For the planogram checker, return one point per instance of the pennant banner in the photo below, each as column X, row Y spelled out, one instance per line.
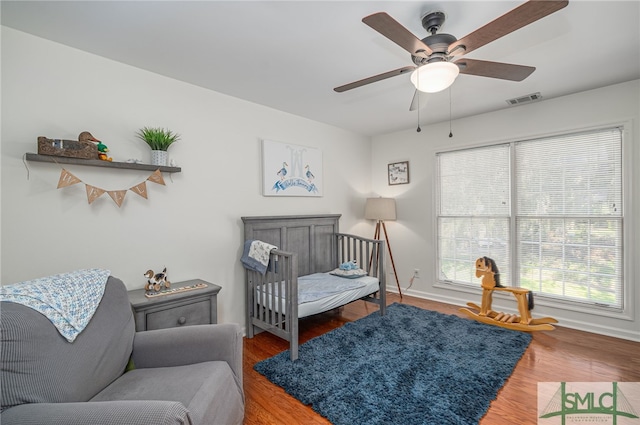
column 67, row 179
column 93, row 192
column 117, row 196
column 140, row 189
column 156, row 177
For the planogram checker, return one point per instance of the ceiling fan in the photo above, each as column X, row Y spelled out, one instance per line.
column 433, row 56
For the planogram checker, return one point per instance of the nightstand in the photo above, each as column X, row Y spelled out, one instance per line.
column 192, row 307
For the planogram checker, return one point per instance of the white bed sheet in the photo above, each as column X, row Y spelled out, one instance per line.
column 371, row 285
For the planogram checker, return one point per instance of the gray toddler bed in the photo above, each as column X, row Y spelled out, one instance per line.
column 307, row 245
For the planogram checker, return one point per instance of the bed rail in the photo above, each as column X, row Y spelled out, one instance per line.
column 370, row 255
column 265, row 308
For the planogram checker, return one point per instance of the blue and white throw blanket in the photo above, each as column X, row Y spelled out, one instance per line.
column 68, row 300
column 255, row 255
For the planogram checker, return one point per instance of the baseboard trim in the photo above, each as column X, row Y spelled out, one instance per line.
column 563, row 319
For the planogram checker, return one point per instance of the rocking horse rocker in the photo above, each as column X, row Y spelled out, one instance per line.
column 487, row 270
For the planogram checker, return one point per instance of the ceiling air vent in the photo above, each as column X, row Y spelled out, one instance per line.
column 524, row 99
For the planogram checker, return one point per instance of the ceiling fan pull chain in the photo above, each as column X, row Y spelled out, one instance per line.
column 450, row 133
column 418, row 130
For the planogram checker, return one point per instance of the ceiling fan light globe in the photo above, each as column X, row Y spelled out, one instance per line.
column 434, row 77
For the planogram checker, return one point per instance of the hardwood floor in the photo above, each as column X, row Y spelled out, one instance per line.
column 560, row 355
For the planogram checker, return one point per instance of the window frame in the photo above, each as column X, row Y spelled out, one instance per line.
column 626, row 312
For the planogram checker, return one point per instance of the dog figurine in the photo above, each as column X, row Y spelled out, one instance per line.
column 156, row 281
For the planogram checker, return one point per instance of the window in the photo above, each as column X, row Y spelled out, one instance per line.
column 548, row 211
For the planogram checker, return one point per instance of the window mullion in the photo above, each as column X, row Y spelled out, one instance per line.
column 513, row 229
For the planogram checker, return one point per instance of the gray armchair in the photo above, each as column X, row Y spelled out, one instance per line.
column 189, row 375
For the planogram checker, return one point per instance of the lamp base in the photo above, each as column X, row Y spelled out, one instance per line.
column 376, row 236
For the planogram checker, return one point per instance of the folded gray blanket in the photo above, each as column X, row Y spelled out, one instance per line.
column 255, row 255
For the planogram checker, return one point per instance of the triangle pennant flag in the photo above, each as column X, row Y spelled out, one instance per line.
column 67, row 179
column 156, row 177
column 93, row 193
column 117, row 196
column 140, row 189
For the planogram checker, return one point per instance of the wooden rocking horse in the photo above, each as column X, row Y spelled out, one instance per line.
column 487, row 270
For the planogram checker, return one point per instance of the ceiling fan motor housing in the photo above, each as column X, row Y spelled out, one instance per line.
column 439, row 44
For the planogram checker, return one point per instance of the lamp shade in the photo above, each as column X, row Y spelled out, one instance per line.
column 434, row 77
column 380, row 209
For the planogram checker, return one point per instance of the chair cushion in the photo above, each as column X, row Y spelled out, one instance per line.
column 208, row 390
column 40, row 366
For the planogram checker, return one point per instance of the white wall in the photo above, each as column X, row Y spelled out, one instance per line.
column 413, row 234
column 192, row 225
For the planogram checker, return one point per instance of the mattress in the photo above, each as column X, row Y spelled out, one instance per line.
column 368, row 285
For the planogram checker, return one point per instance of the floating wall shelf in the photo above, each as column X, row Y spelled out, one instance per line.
column 100, row 163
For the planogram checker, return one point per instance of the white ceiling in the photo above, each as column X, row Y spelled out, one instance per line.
column 289, row 55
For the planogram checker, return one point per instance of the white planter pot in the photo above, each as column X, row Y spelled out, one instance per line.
column 158, row 157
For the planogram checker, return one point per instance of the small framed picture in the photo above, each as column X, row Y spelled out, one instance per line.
column 399, row 173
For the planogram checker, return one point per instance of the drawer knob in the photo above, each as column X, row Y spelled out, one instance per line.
column 182, row 320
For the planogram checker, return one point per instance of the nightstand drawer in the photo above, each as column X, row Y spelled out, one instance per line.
column 183, row 308
column 191, row 314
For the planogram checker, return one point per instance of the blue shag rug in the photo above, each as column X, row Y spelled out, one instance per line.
column 411, row 366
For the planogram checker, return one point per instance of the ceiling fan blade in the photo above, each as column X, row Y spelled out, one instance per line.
column 517, row 18
column 375, row 78
column 419, row 100
column 503, row 71
column 394, row 31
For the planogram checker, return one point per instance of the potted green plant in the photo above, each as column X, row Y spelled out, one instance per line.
column 159, row 140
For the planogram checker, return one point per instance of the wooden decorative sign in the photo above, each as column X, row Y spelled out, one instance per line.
column 175, row 290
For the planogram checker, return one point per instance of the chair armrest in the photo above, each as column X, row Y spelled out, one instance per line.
column 189, row 345
column 138, row 412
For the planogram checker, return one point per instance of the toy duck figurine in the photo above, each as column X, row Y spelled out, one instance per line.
column 102, row 152
column 85, row 136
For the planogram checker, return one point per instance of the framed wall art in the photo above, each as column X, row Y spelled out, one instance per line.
column 291, row 170
column 398, row 172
